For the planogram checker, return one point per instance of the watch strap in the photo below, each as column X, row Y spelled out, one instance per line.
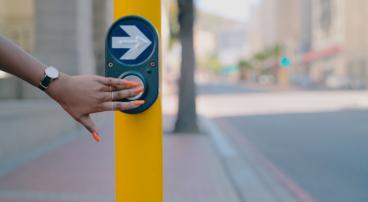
column 45, row 83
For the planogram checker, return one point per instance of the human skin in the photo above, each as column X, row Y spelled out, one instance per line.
column 79, row 96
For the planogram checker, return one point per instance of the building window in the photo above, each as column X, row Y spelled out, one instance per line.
column 224, row 39
column 325, row 18
column 238, row 39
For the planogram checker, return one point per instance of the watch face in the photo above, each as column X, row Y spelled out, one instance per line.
column 52, row 72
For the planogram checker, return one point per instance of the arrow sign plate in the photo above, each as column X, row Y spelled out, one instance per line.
column 132, row 41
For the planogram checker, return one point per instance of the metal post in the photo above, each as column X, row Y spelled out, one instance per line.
column 138, row 137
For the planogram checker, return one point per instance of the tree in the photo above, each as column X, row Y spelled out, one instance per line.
column 186, row 122
column 209, row 61
column 244, row 67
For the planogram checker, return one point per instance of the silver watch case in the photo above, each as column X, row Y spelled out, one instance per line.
column 52, row 72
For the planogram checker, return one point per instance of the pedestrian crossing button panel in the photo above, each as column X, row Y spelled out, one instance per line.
column 133, row 47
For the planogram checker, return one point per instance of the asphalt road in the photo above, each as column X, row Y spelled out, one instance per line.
column 323, row 148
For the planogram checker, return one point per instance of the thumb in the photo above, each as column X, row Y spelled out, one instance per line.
column 87, row 122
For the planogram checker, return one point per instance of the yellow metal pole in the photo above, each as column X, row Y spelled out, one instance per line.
column 138, row 137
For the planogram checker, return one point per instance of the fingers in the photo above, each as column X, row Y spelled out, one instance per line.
column 118, row 95
column 131, row 85
column 87, row 122
column 113, row 81
column 106, row 88
column 119, row 106
column 125, row 85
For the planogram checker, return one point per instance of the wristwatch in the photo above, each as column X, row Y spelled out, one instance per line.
column 51, row 73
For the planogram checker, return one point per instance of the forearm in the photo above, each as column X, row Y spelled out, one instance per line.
column 18, row 62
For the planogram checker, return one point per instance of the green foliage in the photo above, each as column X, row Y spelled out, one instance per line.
column 273, row 51
column 173, row 22
column 210, row 61
column 262, row 56
column 245, row 65
column 259, row 58
column 270, row 52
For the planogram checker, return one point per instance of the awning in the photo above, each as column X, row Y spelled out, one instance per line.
column 314, row 55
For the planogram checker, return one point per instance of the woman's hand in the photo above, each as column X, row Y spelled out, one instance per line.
column 81, row 96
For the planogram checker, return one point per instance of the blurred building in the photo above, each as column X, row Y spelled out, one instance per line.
column 231, row 43
column 339, row 45
column 16, row 24
column 66, row 34
column 224, row 38
column 299, row 73
column 355, row 46
column 272, row 23
column 325, row 59
column 325, row 39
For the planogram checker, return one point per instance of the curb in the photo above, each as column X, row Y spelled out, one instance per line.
column 251, row 178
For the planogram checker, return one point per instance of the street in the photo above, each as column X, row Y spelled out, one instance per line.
column 184, row 101
column 318, row 139
column 283, row 145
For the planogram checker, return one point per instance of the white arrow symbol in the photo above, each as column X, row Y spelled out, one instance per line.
column 137, row 42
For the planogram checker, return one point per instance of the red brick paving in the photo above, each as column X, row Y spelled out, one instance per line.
column 82, row 166
column 185, row 163
column 17, row 200
column 192, row 171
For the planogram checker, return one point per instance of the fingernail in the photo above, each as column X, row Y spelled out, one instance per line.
column 96, row 137
column 135, row 84
column 138, row 90
column 139, row 102
column 127, row 82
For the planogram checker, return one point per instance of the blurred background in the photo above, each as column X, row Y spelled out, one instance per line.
column 266, row 132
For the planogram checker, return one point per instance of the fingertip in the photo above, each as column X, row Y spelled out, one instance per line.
column 138, row 90
column 135, row 84
column 138, row 102
column 95, row 136
column 125, row 82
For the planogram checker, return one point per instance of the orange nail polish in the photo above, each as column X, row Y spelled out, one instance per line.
column 138, row 90
column 96, row 137
column 127, row 82
column 139, row 102
column 135, row 84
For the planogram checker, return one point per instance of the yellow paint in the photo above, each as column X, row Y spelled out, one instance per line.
column 138, row 137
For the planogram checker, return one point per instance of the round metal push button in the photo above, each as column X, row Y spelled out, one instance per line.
column 134, row 78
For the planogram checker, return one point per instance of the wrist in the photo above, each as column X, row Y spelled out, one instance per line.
column 51, row 74
column 55, row 87
column 39, row 76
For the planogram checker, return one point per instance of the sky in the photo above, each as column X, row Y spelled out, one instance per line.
column 238, row 10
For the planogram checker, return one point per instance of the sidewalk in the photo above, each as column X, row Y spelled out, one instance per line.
column 218, row 165
column 82, row 170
